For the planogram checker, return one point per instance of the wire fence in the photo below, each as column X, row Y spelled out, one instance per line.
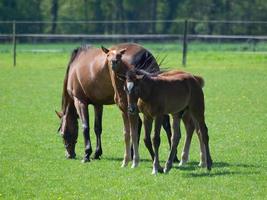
column 182, row 31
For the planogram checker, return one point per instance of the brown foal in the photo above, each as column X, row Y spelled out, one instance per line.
column 175, row 94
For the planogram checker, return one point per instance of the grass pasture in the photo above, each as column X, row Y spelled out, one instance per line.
column 32, row 162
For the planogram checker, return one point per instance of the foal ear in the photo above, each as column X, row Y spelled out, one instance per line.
column 59, row 114
column 139, row 77
column 122, row 51
column 104, row 49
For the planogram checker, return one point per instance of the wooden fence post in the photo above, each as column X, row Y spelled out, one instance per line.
column 14, row 43
column 185, row 43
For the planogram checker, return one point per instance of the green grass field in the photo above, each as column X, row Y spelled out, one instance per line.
column 32, row 161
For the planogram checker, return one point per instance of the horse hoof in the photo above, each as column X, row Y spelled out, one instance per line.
column 68, row 156
column 176, row 160
column 97, row 157
column 85, row 160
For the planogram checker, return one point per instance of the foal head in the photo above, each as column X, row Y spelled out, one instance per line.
column 133, row 90
column 114, row 58
column 69, row 131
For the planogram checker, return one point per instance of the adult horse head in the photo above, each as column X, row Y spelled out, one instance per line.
column 68, row 129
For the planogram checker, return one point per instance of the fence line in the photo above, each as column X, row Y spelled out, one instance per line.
column 136, row 36
column 185, row 36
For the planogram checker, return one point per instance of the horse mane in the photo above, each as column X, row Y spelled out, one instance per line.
column 147, row 62
column 74, row 54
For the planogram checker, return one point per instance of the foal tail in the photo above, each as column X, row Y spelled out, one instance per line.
column 200, row 80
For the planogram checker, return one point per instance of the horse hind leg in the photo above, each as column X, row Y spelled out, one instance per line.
column 167, row 127
column 98, row 130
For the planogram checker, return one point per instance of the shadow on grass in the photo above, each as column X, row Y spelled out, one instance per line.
column 193, row 172
column 120, row 159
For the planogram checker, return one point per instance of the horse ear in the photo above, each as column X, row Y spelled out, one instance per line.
column 122, row 51
column 139, row 77
column 59, row 114
column 104, row 49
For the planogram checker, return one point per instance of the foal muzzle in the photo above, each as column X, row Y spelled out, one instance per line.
column 132, row 109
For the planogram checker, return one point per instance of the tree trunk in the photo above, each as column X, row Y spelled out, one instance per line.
column 154, row 15
column 54, row 12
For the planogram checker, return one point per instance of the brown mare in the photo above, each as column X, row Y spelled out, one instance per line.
column 156, row 95
column 118, row 68
column 87, row 81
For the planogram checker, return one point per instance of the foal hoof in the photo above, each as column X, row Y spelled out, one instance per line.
column 154, row 171
column 124, row 163
column 202, row 164
column 134, row 165
column 182, row 162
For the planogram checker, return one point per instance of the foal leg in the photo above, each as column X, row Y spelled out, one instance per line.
column 84, row 115
column 175, row 140
column 98, row 130
column 203, row 158
column 156, row 143
column 167, row 127
column 127, row 140
column 147, row 140
column 204, row 133
column 190, row 127
column 133, row 119
column 139, row 133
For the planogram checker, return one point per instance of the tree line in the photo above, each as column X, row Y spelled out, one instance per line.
column 119, row 10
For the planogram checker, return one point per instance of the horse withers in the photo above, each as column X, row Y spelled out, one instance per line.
column 175, row 94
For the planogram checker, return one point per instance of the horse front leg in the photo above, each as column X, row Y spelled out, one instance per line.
column 133, row 119
column 175, row 140
column 127, row 140
column 98, row 130
column 84, row 116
